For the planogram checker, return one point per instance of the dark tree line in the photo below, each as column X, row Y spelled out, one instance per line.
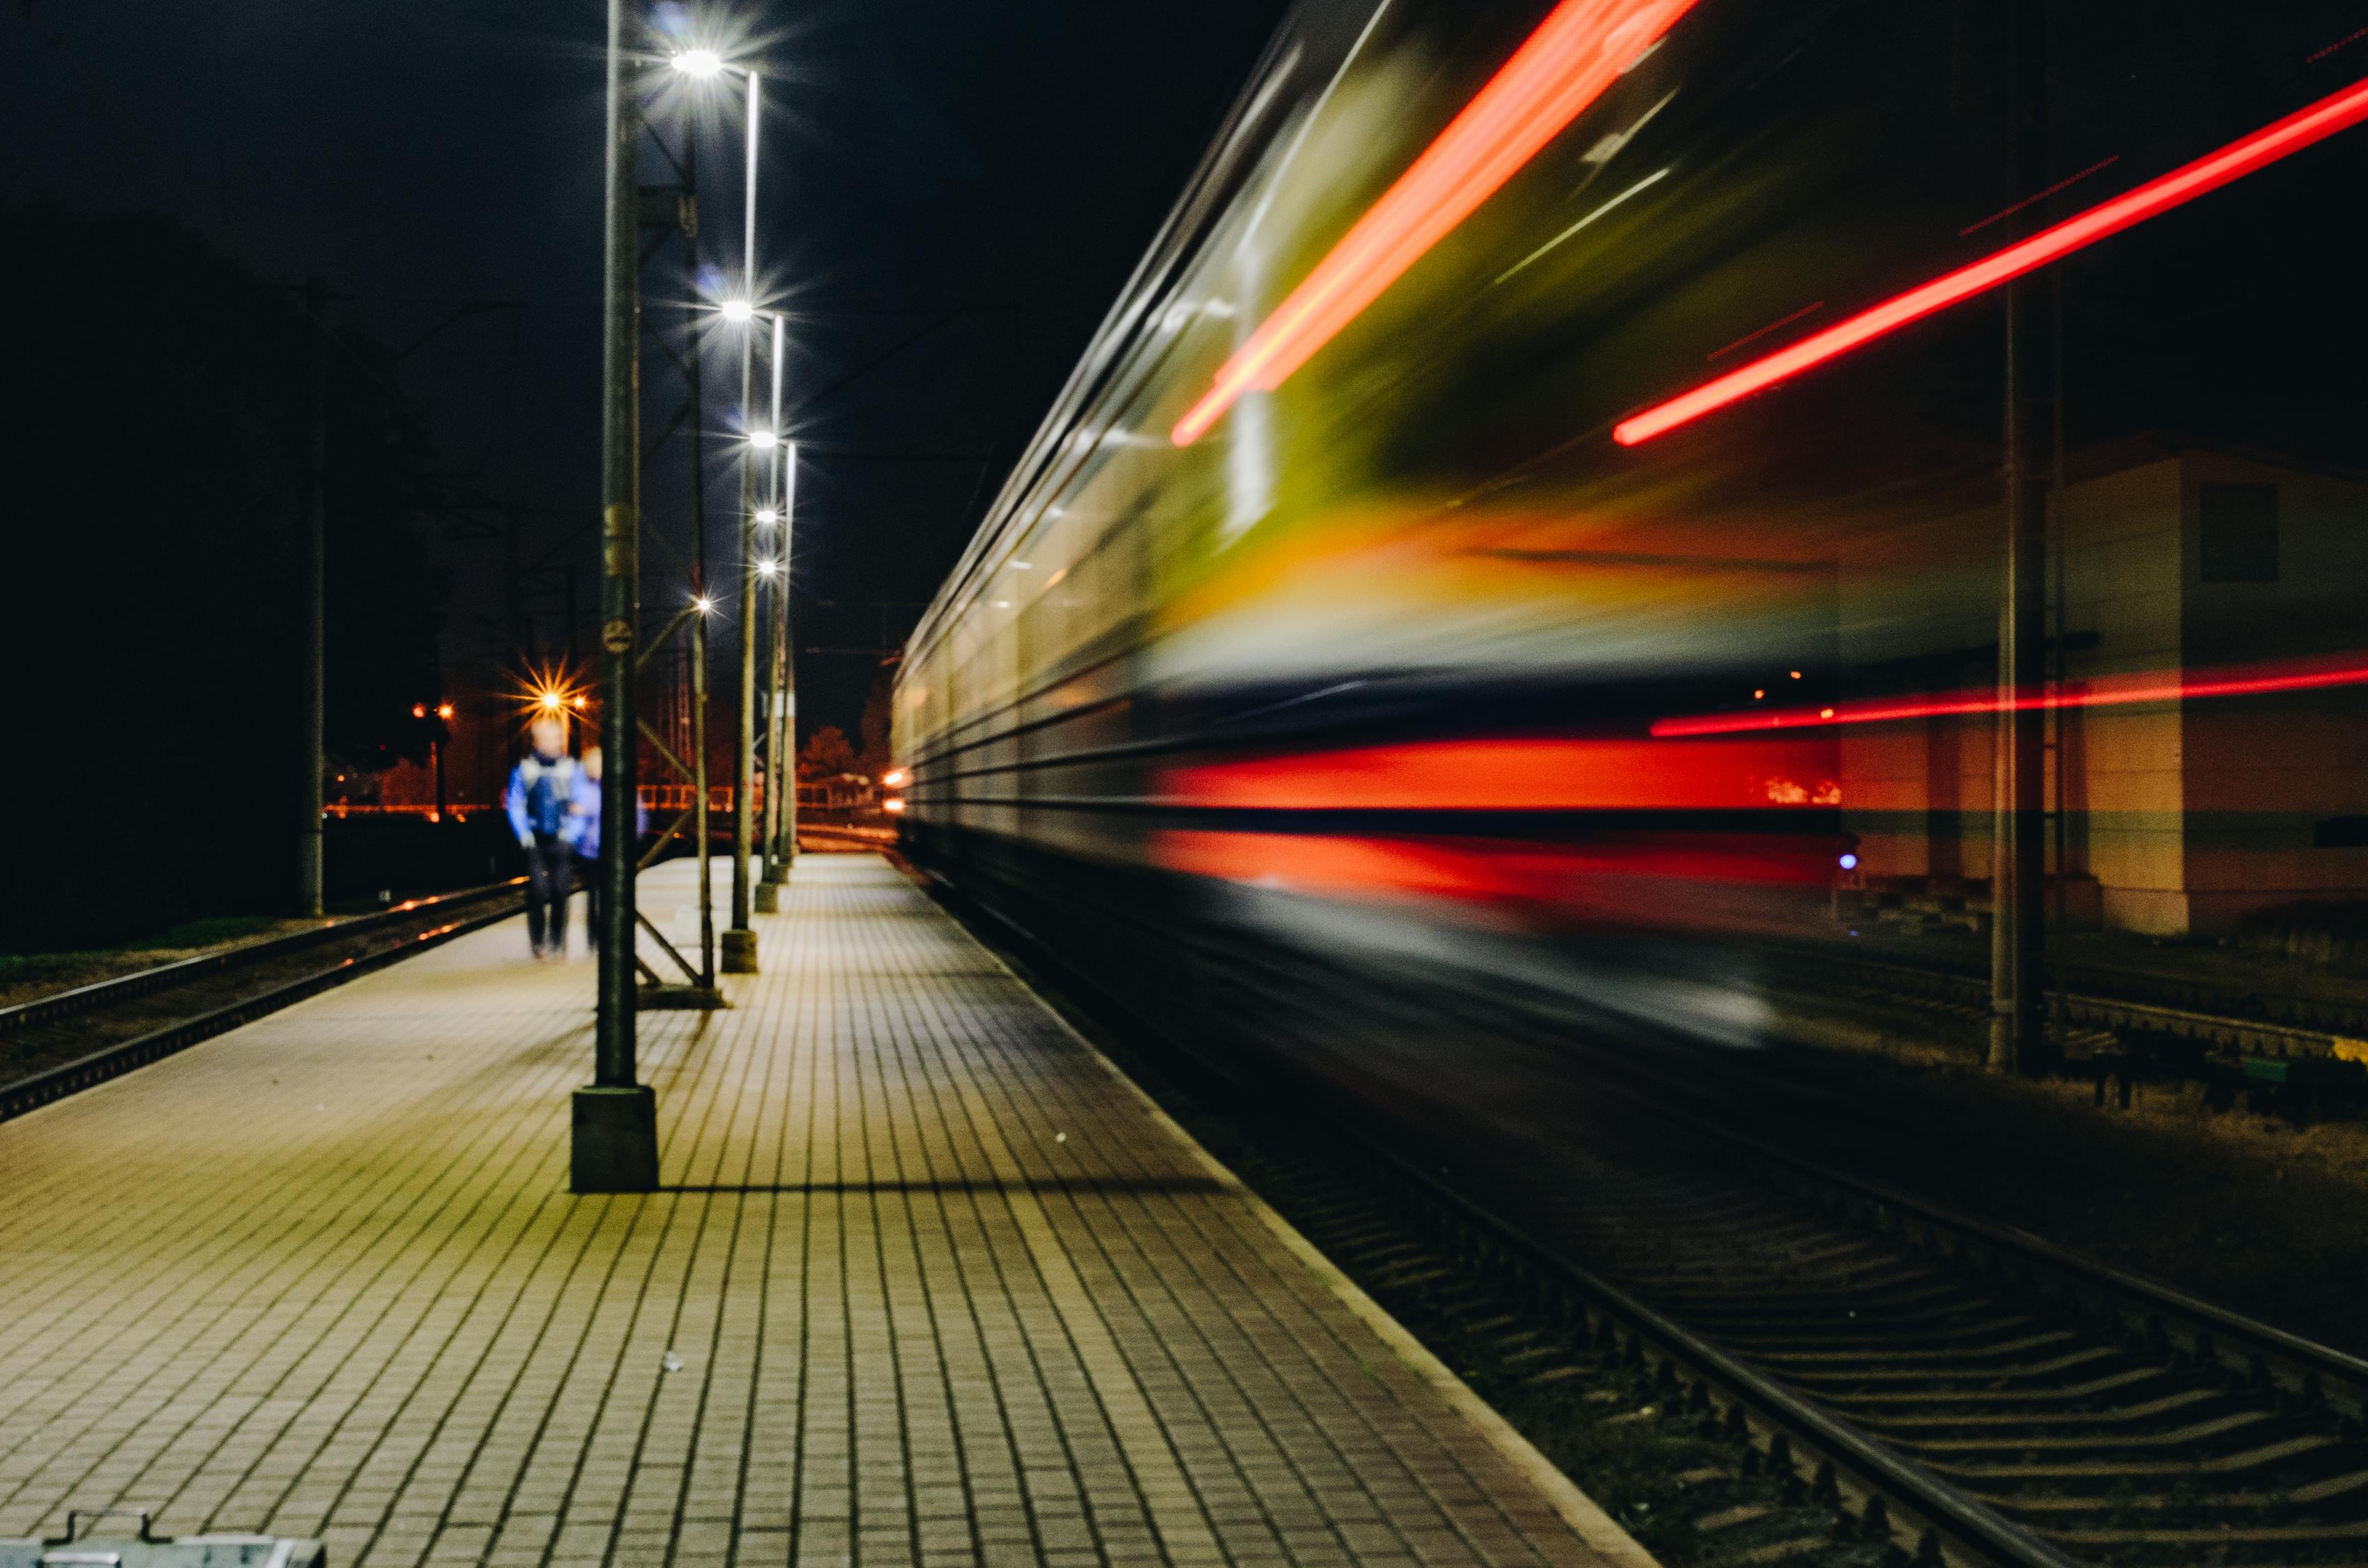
column 156, row 447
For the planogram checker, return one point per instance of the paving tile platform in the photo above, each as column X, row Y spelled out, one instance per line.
column 929, row 1283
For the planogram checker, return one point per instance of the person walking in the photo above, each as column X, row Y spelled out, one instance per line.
column 540, row 802
column 584, row 830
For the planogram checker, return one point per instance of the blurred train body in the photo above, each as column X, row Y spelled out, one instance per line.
column 1394, row 637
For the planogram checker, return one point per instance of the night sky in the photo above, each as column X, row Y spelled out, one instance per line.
column 971, row 181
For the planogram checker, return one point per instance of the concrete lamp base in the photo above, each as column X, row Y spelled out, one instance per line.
column 616, row 1143
column 739, row 952
column 768, row 897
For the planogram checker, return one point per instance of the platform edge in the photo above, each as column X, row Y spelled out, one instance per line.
column 1596, row 1528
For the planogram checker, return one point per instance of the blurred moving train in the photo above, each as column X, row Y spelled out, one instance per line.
column 1547, row 474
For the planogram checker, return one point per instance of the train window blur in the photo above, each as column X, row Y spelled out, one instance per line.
column 1341, row 591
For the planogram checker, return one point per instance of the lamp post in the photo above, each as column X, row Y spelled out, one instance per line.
column 739, row 949
column 615, row 1146
column 785, row 683
column 776, row 546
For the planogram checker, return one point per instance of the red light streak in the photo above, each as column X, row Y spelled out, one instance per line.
column 1548, row 774
column 2314, row 58
column 2107, row 691
column 2065, row 183
column 1575, row 55
column 1757, row 333
column 2305, row 127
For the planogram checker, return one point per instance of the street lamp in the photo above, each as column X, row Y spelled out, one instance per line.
column 739, row 947
column 614, row 1141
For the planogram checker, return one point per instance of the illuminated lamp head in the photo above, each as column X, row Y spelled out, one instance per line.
column 700, row 64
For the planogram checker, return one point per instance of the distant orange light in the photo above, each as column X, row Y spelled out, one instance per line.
column 551, row 702
column 419, row 710
column 576, row 702
column 1575, row 55
column 443, row 710
column 893, row 779
column 892, row 805
column 2305, row 127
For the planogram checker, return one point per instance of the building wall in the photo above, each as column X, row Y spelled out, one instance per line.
column 2188, row 814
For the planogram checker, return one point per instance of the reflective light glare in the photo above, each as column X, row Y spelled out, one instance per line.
column 892, row 806
column 2338, row 111
column 767, row 568
column 738, row 310
column 893, row 779
column 1576, row 53
column 766, row 517
column 763, row 440
column 2105, row 691
column 698, row 62
column 1654, row 178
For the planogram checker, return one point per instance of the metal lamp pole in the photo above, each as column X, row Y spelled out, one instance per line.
column 785, row 683
column 740, row 941
column 615, row 1143
column 769, row 892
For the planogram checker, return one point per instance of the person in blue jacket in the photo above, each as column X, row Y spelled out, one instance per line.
column 540, row 802
column 584, row 827
column 586, row 839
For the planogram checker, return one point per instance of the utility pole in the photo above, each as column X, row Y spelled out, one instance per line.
column 615, row 1146
column 312, row 556
column 740, row 940
column 2019, row 836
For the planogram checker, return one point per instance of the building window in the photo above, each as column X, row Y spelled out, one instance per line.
column 2240, row 533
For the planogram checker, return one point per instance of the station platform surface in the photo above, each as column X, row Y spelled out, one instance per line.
column 928, row 1282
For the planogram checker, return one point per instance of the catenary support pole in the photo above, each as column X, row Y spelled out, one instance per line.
column 615, row 1146
column 2019, row 840
column 740, row 941
column 314, row 576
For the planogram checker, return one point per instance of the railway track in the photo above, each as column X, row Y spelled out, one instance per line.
column 57, row 1045
column 2126, row 1003
column 1930, row 1385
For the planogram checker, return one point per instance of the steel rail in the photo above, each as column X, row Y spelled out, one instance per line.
column 113, row 1060
column 2143, row 1308
column 124, row 987
column 1889, row 1493
column 2112, row 1015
